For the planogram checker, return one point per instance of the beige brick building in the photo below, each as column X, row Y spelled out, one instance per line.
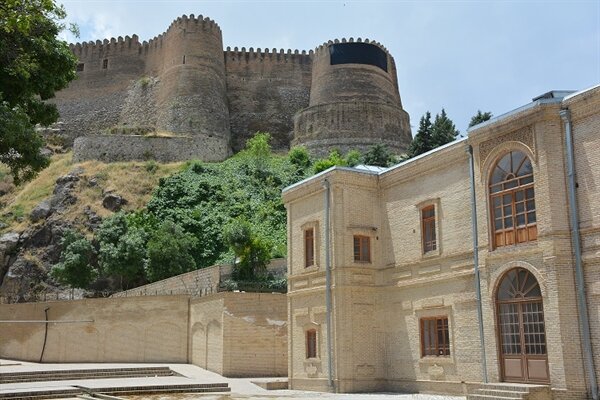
column 404, row 309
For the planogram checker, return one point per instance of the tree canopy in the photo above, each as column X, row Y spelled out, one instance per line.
column 480, row 117
column 34, row 64
column 431, row 135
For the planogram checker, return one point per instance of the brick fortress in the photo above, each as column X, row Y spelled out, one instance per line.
column 181, row 84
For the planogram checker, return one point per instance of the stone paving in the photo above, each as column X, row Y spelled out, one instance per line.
column 241, row 388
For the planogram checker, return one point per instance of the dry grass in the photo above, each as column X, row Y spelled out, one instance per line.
column 134, row 181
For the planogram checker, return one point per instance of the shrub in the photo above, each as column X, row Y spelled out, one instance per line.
column 75, row 265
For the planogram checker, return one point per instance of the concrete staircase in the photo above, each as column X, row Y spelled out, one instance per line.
column 509, row 391
column 78, row 374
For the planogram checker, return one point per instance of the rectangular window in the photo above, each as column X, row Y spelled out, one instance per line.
column 435, row 337
column 309, row 247
column 362, row 248
column 428, row 229
column 105, row 63
column 80, row 67
column 311, row 343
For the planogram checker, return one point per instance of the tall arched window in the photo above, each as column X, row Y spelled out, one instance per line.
column 512, row 200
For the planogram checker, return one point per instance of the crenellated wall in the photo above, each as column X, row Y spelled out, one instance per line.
column 182, row 81
column 265, row 89
column 353, row 105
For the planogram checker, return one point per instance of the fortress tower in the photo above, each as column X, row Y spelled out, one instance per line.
column 354, row 100
column 179, row 96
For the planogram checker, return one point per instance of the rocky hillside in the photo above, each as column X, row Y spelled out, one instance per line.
column 33, row 217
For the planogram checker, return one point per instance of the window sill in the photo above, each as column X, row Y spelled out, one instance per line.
column 436, row 360
column 430, row 254
column 312, row 268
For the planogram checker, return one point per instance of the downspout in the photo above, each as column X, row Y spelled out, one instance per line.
column 327, row 187
column 584, row 322
column 45, row 334
column 476, row 263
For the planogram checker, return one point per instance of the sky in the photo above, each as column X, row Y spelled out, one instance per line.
column 463, row 56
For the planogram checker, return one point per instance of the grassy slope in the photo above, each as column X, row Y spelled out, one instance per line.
column 132, row 180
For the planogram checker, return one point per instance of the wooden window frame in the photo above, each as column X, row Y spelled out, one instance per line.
column 439, row 349
column 429, row 247
column 513, row 188
column 309, row 247
column 311, row 342
column 359, row 255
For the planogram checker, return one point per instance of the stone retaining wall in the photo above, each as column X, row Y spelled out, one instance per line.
column 113, row 148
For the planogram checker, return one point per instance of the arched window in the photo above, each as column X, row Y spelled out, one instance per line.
column 512, row 200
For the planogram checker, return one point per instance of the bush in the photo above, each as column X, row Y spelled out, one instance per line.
column 75, row 265
column 170, row 252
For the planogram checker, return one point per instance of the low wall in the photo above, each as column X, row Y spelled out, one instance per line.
column 234, row 334
column 197, row 283
column 113, row 148
column 240, row 334
column 136, row 329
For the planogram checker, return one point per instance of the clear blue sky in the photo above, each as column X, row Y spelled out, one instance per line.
column 460, row 55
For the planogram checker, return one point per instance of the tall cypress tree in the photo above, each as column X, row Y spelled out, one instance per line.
column 480, row 117
column 423, row 140
column 443, row 130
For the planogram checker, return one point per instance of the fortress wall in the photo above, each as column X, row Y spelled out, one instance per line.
column 93, row 101
column 136, row 329
column 265, row 88
column 113, row 148
column 351, row 82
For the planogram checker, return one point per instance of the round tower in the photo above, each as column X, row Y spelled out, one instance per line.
column 354, row 100
column 192, row 96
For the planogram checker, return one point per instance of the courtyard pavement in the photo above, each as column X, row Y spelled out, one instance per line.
column 241, row 388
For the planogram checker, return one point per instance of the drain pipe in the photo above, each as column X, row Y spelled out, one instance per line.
column 327, row 187
column 584, row 322
column 45, row 334
column 476, row 262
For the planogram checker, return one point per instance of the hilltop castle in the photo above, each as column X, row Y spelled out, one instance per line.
column 343, row 95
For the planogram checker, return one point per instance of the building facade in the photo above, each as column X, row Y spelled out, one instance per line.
column 403, row 301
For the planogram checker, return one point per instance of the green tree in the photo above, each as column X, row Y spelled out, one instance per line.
column 170, row 251
column 353, row 158
column 252, row 251
column 122, row 250
column 480, row 117
column 334, row 158
column 379, row 154
column 34, row 64
column 258, row 148
column 76, row 259
column 443, row 130
column 299, row 157
column 423, row 141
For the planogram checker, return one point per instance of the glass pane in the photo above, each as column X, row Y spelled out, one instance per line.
column 517, row 158
column 526, row 180
column 520, row 207
column 504, row 163
column 508, row 223
column 507, row 210
column 511, row 184
column 520, row 195
column 507, row 199
column 496, row 201
column 526, row 169
column 497, row 212
column 530, row 205
column 529, row 193
column 520, row 219
column 498, row 224
column 531, row 217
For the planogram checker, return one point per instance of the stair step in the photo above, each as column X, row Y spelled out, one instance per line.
column 489, row 397
column 501, row 393
column 42, row 394
column 42, row 376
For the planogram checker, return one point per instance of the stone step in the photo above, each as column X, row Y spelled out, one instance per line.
column 157, row 389
column 44, row 376
column 41, row 394
column 501, row 393
column 490, row 397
